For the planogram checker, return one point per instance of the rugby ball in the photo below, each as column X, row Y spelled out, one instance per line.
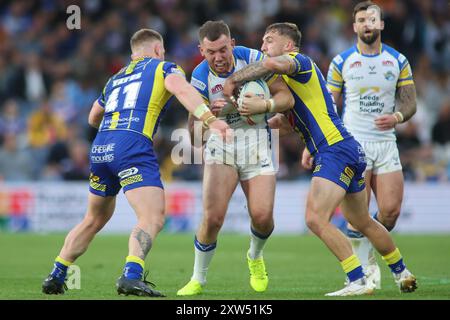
column 259, row 88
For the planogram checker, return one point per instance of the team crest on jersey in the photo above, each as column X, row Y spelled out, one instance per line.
column 389, row 76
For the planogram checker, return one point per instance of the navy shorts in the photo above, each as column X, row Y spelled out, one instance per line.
column 343, row 163
column 122, row 159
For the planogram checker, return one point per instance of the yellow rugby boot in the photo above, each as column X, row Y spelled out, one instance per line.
column 192, row 288
column 258, row 275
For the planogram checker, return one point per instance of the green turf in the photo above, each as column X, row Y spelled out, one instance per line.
column 300, row 267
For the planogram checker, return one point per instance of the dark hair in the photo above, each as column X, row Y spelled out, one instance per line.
column 144, row 35
column 212, row 30
column 287, row 29
column 362, row 6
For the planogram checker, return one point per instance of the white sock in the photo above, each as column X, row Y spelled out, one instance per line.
column 256, row 246
column 201, row 264
column 363, row 248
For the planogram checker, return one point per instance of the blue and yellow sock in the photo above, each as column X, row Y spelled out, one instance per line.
column 134, row 268
column 395, row 261
column 59, row 271
column 352, row 267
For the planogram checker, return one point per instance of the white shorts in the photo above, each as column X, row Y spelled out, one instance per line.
column 250, row 157
column 382, row 156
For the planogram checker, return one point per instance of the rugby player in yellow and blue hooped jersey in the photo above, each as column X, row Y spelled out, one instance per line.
column 127, row 115
column 337, row 157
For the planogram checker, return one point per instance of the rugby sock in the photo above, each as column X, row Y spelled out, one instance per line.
column 257, row 242
column 395, row 261
column 203, row 257
column 134, row 268
column 352, row 267
column 59, row 271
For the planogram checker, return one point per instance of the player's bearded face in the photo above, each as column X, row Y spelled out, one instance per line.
column 368, row 26
column 218, row 53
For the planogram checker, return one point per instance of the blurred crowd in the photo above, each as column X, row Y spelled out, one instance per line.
column 50, row 75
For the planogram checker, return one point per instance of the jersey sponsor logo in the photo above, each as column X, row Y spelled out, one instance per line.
column 102, row 159
column 120, row 121
column 356, row 78
column 198, row 84
column 338, row 59
column 176, row 70
column 217, row 88
column 253, row 55
column 231, row 118
column 127, row 79
column 356, row 64
column 390, row 76
column 317, row 168
column 370, row 101
column 372, row 70
column 265, row 163
column 401, row 58
column 102, row 148
column 388, row 63
column 127, row 172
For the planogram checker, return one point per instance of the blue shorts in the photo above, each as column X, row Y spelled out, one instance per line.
column 122, row 159
column 343, row 163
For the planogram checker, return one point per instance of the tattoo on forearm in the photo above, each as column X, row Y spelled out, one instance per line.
column 252, row 71
column 286, row 60
column 144, row 239
column 406, row 96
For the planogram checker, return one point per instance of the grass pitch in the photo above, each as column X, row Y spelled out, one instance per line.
column 299, row 267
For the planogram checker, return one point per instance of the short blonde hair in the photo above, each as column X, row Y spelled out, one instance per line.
column 144, row 35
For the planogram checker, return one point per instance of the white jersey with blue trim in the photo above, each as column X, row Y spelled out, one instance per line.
column 368, row 84
column 210, row 84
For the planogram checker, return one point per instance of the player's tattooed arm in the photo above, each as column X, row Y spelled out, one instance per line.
column 280, row 65
column 144, row 240
column 406, row 101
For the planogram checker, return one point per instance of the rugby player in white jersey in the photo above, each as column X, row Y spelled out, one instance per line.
column 227, row 165
column 378, row 93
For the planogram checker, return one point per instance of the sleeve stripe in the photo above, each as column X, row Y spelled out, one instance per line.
column 404, row 66
column 405, row 79
column 404, row 83
column 336, row 68
column 335, row 85
column 204, row 98
column 334, row 89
